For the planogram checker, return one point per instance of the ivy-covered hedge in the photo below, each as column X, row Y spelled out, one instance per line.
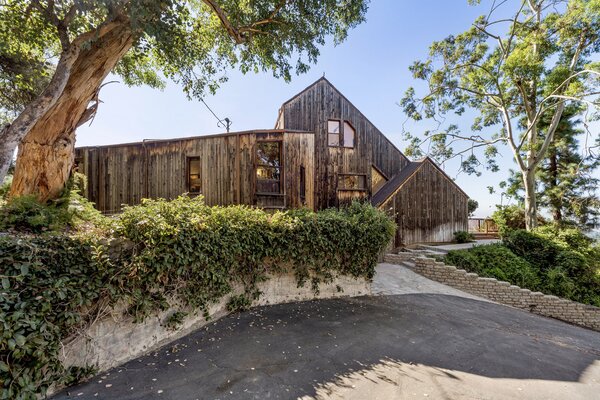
column 54, row 285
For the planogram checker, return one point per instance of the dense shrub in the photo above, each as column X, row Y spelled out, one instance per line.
column 69, row 211
column 564, row 263
column 52, row 286
column 511, row 217
column 463, row 237
column 496, row 261
column 5, row 187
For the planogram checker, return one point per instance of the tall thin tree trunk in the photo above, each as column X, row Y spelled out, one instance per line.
column 555, row 201
column 45, row 155
column 530, row 200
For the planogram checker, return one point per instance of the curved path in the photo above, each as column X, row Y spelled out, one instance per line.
column 422, row 344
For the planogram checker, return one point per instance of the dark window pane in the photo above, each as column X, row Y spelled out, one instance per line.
column 194, row 176
column 268, row 153
column 267, row 186
column 302, row 183
column 349, row 135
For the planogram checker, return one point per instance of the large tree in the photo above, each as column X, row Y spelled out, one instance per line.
column 565, row 183
column 190, row 42
column 522, row 60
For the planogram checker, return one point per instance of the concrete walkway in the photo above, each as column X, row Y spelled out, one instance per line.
column 444, row 248
column 428, row 342
column 398, row 279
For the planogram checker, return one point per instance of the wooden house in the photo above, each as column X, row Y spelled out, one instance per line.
column 322, row 153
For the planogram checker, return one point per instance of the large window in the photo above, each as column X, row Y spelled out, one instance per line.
column 194, row 180
column 340, row 134
column 352, row 182
column 268, row 167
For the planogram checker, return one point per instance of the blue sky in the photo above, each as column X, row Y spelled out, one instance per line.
column 370, row 68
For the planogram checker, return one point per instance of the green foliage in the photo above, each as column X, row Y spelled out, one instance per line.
column 5, row 187
column 569, row 260
column 515, row 65
column 175, row 320
column 496, row 261
column 512, row 217
column 184, row 41
column 565, row 182
column 463, row 237
column 164, row 252
column 472, row 206
column 70, row 211
column 51, row 287
column 564, row 263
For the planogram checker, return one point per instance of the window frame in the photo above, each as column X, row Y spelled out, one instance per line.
column 343, row 135
column 280, row 168
column 340, row 142
column 363, row 189
column 188, row 160
column 386, row 179
column 302, row 184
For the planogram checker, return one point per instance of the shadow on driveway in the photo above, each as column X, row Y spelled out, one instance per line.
column 299, row 350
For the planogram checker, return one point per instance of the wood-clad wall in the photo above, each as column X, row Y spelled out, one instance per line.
column 310, row 111
column 428, row 207
column 125, row 174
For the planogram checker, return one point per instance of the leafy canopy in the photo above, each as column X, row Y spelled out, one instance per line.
column 511, row 67
column 189, row 42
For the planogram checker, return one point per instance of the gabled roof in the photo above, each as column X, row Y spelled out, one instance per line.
column 323, row 79
column 394, row 184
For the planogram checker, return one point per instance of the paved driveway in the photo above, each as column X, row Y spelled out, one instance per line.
column 422, row 344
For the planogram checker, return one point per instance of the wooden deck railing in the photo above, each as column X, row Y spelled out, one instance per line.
column 482, row 225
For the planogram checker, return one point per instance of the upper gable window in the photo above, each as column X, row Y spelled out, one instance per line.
column 340, row 134
column 333, row 133
column 349, row 135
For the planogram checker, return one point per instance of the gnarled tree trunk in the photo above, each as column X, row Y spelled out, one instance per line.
column 45, row 156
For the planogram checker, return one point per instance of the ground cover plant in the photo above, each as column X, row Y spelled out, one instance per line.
column 551, row 259
column 56, row 282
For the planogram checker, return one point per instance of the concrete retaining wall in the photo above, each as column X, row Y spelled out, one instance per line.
column 116, row 339
column 503, row 292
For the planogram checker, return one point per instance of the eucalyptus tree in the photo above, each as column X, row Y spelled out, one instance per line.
column 520, row 61
column 191, row 42
column 566, row 184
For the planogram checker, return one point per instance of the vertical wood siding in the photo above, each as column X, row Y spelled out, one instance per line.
column 428, row 207
column 310, row 111
column 125, row 174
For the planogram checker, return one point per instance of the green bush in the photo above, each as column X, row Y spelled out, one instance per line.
column 5, row 187
column 512, row 217
column 536, row 249
column 53, row 285
column 496, row 261
column 70, row 211
column 463, row 237
column 564, row 262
